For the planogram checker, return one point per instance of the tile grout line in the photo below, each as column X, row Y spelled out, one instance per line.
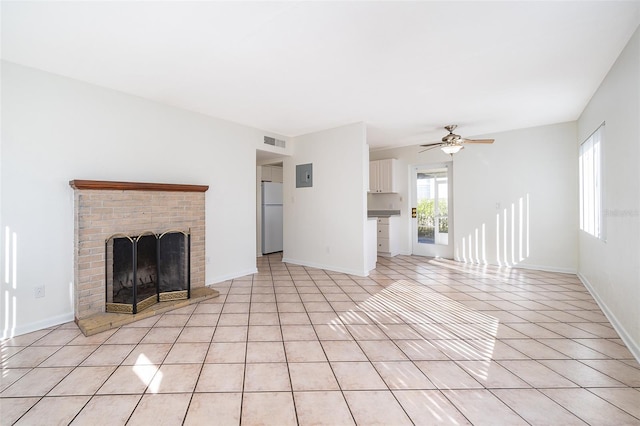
column 461, row 282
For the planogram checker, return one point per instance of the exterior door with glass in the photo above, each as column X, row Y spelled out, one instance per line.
column 432, row 231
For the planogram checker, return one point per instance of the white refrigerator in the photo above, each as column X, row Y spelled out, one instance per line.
column 271, row 217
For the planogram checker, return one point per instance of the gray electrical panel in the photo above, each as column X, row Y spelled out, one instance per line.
column 304, row 175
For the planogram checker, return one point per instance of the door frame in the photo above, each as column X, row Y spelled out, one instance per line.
column 431, row 250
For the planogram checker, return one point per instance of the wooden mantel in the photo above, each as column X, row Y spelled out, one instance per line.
column 135, row 186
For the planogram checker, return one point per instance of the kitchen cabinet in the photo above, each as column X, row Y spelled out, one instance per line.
column 381, row 176
column 388, row 241
column 371, row 252
column 276, row 174
column 271, row 174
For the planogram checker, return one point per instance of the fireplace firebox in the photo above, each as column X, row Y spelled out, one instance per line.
column 145, row 269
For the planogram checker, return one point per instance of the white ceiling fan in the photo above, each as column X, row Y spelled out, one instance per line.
column 453, row 143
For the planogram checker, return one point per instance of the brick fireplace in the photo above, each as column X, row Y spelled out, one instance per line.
column 105, row 208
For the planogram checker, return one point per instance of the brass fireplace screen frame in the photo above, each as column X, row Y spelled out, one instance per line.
column 159, row 296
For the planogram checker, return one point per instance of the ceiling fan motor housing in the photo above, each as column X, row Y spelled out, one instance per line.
column 451, row 138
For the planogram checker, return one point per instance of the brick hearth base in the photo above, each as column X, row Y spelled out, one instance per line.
column 104, row 321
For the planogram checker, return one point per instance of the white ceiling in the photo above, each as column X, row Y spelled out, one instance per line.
column 404, row 68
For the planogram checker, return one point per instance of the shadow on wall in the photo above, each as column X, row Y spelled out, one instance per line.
column 512, row 243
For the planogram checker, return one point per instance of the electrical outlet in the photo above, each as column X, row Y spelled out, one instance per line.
column 39, row 291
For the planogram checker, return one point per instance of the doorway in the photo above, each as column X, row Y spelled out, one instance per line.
column 269, row 209
column 432, row 199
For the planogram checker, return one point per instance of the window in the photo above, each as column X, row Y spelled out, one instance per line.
column 590, row 170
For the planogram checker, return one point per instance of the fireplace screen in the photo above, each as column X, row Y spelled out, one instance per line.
column 146, row 269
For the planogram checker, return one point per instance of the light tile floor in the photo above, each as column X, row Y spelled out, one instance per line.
column 419, row 341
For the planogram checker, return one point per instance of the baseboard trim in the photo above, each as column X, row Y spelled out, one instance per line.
column 38, row 325
column 546, row 268
column 326, row 267
column 634, row 347
column 222, row 278
column 543, row 268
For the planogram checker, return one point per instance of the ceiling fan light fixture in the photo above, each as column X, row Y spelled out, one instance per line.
column 451, row 149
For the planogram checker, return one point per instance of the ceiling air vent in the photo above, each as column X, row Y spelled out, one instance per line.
column 274, row 142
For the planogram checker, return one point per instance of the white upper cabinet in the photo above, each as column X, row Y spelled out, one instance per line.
column 381, row 176
column 276, row 174
column 374, row 171
column 271, row 174
column 266, row 174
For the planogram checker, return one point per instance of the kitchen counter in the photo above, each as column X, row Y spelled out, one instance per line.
column 383, row 213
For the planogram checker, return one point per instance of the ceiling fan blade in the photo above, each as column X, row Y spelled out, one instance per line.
column 434, row 144
column 478, row 140
column 430, row 147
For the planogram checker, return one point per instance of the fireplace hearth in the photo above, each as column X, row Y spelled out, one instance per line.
column 145, row 269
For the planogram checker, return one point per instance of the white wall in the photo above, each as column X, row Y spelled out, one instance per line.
column 56, row 129
column 538, row 164
column 528, row 179
column 324, row 226
column 611, row 268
